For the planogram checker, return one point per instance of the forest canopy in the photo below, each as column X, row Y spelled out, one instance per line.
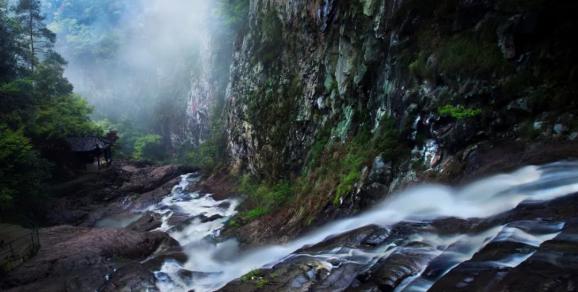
column 37, row 105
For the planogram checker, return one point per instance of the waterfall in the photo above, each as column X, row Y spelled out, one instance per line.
column 214, row 263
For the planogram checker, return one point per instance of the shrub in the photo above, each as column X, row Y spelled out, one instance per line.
column 148, row 147
column 252, row 275
column 254, row 213
column 464, row 55
column 458, row 112
column 22, row 171
column 346, row 184
column 64, row 116
column 265, row 196
column 419, row 67
column 205, row 156
column 332, row 168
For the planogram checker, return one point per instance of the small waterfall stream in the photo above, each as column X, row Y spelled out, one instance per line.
column 213, row 263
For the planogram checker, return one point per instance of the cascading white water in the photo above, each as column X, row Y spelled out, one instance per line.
column 214, row 263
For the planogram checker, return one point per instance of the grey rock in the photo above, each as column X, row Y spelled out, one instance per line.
column 520, row 104
column 147, row 222
column 380, row 170
column 560, row 129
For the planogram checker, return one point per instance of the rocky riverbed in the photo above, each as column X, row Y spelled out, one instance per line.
column 157, row 230
column 99, row 236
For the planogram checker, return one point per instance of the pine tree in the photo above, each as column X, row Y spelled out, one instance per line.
column 38, row 39
column 10, row 52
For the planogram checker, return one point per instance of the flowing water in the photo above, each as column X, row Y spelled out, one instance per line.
column 212, row 263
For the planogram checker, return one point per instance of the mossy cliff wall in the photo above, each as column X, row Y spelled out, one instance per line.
column 379, row 93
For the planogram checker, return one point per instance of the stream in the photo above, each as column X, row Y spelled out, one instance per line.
column 213, row 263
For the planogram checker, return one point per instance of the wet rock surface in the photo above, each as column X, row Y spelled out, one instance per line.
column 82, row 258
column 111, row 192
column 113, row 246
column 536, row 249
column 131, row 277
column 147, row 222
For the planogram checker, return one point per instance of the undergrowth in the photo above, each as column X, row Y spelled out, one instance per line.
column 332, row 170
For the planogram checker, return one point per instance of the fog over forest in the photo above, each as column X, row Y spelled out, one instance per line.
column 137, row 62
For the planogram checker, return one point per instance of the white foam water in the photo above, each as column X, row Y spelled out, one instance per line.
column 214, row 264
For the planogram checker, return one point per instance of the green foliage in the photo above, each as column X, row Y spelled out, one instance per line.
column 49, row 77
column 11, row 50
column 330, row 83
column 331, row 168
column 337, row 167
column 18, row 87
column 268, row 109
column 348, row 181
column 464, row 55
column 419, row 67
column 257, row 277
column 211, row 153
column 17, row 102
column 252, row 275
column 37, row 39
column 266, row 197
column 87, row 26
column 262, row 282
column 128, row 134
column 93, row 35
column 386, row 141
column 21, row 169
column 458, row 112
column 37, row 107
column 62, row 117
column 349, row 168
column 148, row 147
column 254, row 213
column 316, row 151
column 271, row 45
column 205, row 156
column 234, row 12
column 233, row 223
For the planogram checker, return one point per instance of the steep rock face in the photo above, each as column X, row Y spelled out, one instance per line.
column 450, row 77
column 305, row 64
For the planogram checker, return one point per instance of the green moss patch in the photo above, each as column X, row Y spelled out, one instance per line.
column 458, row 112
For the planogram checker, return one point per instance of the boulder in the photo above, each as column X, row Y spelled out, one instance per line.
column 147, row 222
column 129, row 278
column 150, row 178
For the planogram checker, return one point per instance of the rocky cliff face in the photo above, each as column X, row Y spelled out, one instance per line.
column 420, row 86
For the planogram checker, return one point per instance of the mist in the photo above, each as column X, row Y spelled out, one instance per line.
column 142, row 64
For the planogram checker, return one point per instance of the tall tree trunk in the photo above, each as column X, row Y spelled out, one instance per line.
column 31, row 31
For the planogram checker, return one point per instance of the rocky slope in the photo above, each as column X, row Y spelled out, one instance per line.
column 362, row 97
column 98, row 233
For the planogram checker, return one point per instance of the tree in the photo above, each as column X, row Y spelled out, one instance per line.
column 49, row 77
column 10, row 51
column 148, row 147
column 37, row 107
column 38, row 40
column 21, row 169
